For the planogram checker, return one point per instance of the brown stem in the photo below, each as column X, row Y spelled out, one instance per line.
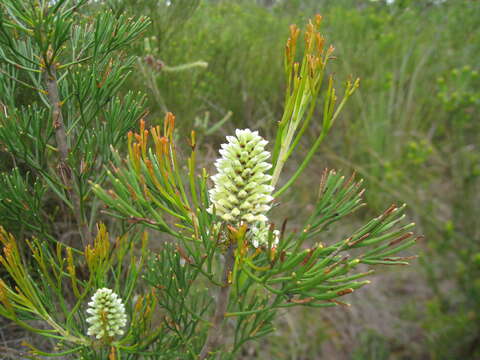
column 61, row 139
column 57, row 116
column 215, row 334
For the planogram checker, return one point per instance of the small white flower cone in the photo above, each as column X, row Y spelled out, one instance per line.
column 242, row 193
column 107, row 312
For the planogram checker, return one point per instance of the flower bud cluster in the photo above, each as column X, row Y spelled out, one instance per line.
column 108, row 314
column 242, row 193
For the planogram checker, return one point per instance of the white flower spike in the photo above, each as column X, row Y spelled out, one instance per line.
column 242, row 193
column 108, row 314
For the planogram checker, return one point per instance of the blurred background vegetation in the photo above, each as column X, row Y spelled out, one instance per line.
column 412, row 131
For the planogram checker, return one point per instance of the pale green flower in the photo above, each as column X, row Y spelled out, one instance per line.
column 242, row 193
column 108, row 314
column 259, row 233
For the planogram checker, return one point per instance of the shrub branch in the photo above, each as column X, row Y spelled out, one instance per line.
column 215, row 336
column 61, row 139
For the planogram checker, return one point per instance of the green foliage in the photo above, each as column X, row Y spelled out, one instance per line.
column 209, row 273
column 61, row 135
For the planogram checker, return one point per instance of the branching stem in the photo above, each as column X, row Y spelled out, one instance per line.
column 215, row 336
column 62, row 144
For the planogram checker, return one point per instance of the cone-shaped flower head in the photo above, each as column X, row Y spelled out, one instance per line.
column 107, row 314
column 242, row 192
